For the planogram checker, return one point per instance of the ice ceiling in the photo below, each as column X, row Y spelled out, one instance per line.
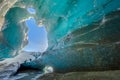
column 81, row 34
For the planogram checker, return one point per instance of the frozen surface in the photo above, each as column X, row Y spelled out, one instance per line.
column 82, row 35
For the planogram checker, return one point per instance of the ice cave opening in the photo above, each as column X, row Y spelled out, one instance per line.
column 37, row 35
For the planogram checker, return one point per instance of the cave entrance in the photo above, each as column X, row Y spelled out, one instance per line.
column 37, row 35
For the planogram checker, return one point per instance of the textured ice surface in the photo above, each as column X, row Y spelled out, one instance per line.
column 82, row 35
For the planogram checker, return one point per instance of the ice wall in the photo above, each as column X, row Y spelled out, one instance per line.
column 81, row 34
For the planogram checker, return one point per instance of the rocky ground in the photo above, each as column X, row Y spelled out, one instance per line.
column 99, row 75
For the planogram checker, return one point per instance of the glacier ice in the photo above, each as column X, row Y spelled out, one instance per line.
column 81, row 35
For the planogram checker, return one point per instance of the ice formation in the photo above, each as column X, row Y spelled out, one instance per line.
column 82, row 35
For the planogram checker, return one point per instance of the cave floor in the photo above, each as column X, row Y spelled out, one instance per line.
column 96, row 75
column 99, row 75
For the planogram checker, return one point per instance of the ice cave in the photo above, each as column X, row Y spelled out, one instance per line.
column 83, row 39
